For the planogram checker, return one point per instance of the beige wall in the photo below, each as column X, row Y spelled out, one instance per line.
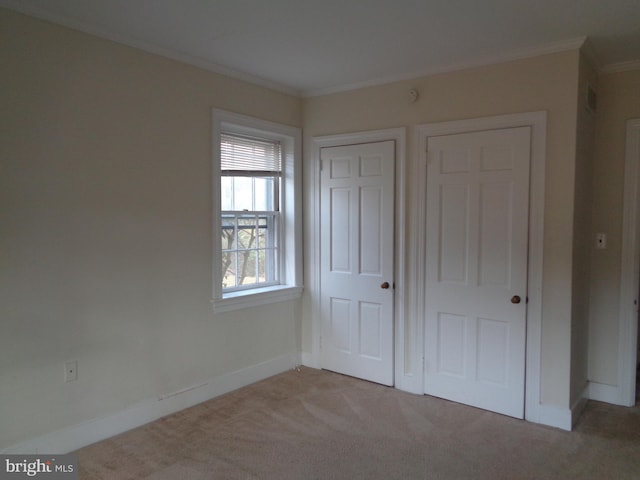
column 105, row 221
column 542, row 83
column 583, row 239
column 618, row 101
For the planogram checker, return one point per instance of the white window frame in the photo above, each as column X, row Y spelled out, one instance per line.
column 290, row 248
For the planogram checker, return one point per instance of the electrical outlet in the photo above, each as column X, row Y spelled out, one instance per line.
column 70, row 371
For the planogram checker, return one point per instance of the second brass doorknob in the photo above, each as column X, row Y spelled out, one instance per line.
column 385, row 285
column 515, row 299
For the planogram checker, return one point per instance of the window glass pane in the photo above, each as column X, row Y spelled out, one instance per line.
column 264, row 193
column 260, row 193
column 248, row 193
column 228, row 269
column 273, row 269
column 262, row 276
column 228, row 232
column 226, row 193
column 247, row 267
column 249, row 249
column 271, row 237
column 242, row 193
column 262, row 232
column 247, row 233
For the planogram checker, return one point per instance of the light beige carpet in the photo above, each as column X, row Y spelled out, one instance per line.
column 311, row 424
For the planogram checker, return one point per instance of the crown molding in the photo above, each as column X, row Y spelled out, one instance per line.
column 41, row 14
column 621, row 67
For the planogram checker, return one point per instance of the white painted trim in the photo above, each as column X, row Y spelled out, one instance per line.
column 579, row 405
column 256, row 298
column 630, row 269
column 291, row 209
column 603, row 393
column 148, row 47
column 77, row 436
column 399, row 136
column 563, row 418
column 537, row 121
column 415, row 357
column 556, row 47
column 621, row 67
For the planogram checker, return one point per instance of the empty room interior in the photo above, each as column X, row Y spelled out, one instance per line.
column 438, row 201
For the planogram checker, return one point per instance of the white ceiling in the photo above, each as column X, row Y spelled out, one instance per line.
column 310, row 47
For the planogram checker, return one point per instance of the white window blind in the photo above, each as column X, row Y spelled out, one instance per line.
column 249, row 156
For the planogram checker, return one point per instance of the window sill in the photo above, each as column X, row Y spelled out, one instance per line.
column 255, row 298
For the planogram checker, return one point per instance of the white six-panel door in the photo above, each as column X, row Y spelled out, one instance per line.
column 357, row 232
column 476, row 268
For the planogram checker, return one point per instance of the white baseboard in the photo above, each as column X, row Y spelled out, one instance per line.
column 563, row 418
column 604, row 393
column 554, row 416
column 559, row 417
column 77, row 436
column 578, row 406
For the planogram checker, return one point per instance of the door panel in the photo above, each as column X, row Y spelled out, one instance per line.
column 371, row 230
column 356, row 250
column 476, row 254
column 454, row 206
column 339, row 222
column 495, row 228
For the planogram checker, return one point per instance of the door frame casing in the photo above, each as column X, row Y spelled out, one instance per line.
column 630, row 270
column 313, row 280
column 534, row 410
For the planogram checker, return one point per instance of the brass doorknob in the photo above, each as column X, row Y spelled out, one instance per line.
column 515, row 299
column 385, row 285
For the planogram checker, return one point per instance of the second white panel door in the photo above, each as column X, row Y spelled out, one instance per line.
column 476, row 264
